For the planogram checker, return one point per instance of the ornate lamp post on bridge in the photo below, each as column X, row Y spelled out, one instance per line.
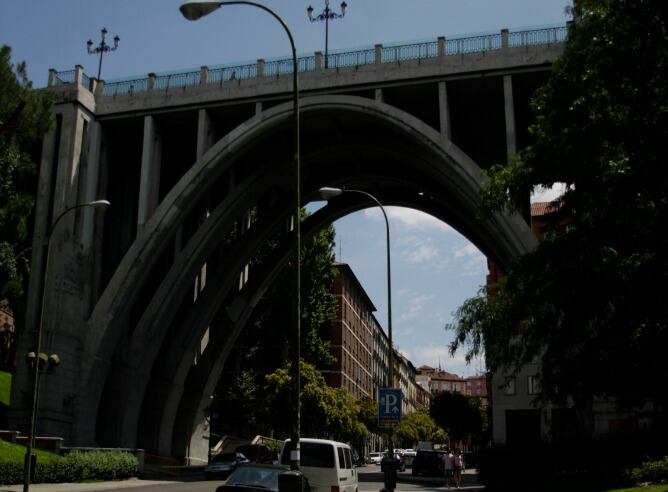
column 328, row 193
column 36, row 358
column 193, row 10
column 102, row 48
column 326, row 15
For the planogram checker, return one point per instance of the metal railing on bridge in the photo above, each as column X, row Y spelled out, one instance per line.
column 458, row 45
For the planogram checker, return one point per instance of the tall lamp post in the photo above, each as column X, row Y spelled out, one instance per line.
column 326, row 15
column 38, row 357
column 193, row 10
column 102, row 48
column 328, row 193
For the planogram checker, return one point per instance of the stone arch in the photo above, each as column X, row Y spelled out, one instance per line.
column 448, row 187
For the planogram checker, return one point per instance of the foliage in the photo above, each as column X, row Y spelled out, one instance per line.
column 73, row 467
column 460, row 415
column 419, row 426
column 268, row 335
column 24, row 118
column 325, row 411
column 5, row 387
column 650, row 471
column 589, row 302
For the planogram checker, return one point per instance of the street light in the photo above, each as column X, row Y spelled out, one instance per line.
column 327, row 193
column 53, row 359
column 193, row 10
column 102, row 48
column 326, row 15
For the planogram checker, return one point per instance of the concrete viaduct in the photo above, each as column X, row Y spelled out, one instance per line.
column 145, row 300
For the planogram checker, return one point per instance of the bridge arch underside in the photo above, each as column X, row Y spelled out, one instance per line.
column 142, row 386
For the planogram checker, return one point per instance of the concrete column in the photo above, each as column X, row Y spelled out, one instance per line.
column 99, row 88
column 319, row 65
column 441, row 46
column 149, row 183
column 379, row 95
column 78, row 75
column 379, row 53
column 504, row 38
column 53, row 77
column 91, row 188
column 509, row 105
column 260, row 67
column 151, row 81
column 444, row 110
column 205, row 132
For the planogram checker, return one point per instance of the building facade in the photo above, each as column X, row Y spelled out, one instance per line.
column 352, row 337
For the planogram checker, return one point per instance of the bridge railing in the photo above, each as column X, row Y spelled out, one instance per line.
column 368, row 56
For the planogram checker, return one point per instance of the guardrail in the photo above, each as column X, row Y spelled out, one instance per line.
column 368, row 56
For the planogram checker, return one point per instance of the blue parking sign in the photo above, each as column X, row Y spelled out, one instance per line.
column 389, row 407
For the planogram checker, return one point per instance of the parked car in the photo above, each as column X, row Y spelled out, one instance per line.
column 328, row 465
column 409, row 455
column 254, row 477
column 374, row 458
column 428, row 462
column 256, row 453
column 223, row 464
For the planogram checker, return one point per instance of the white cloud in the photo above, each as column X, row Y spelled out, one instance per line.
column 440, row 354
column 417, row 249
column 416, row 305
column 541, row 194
column 408, row 219
column 471, row 260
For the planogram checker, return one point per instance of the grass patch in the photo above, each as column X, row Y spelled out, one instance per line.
column 12, row 453
column 5, row 387
column 647, row 488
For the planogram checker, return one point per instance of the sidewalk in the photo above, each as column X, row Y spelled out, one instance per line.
column 84, row 487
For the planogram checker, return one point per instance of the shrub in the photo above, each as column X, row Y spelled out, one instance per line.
column 75, row 467
column 651, row 471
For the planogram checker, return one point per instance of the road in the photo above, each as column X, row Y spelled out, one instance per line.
column 370, row 480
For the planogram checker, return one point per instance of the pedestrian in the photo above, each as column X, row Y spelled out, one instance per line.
column 449, row 467
column 458, row 466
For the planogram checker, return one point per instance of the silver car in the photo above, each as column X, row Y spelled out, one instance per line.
column 223, row 464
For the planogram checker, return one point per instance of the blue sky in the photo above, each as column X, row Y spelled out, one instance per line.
column 434, row 269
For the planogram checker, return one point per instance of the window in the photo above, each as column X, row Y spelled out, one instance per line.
column 533, row 385
column 509, row 389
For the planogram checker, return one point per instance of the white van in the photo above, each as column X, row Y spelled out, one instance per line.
column 328, row 465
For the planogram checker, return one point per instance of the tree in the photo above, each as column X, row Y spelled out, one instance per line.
column 460, row 415
column 419, row 426
column 24, row 118
column 325, row 411
column 265, row 343
column 590, row 302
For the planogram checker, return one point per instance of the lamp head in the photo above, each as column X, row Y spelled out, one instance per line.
column 100, row 203
column 309, row 12
column 344, row 5
column 89, row 43
column 194, row 9
column 327, row 192
column 117, row 40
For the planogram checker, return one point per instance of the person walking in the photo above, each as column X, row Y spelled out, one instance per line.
column 449, row 467
column 458, row 467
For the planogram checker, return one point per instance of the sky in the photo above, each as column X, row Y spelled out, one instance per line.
column 434, row 268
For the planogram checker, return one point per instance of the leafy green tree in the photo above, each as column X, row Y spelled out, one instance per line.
column 419, row 426
column 325, row 411
column 460, row 415
column 590, row 302
column 24, row 118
